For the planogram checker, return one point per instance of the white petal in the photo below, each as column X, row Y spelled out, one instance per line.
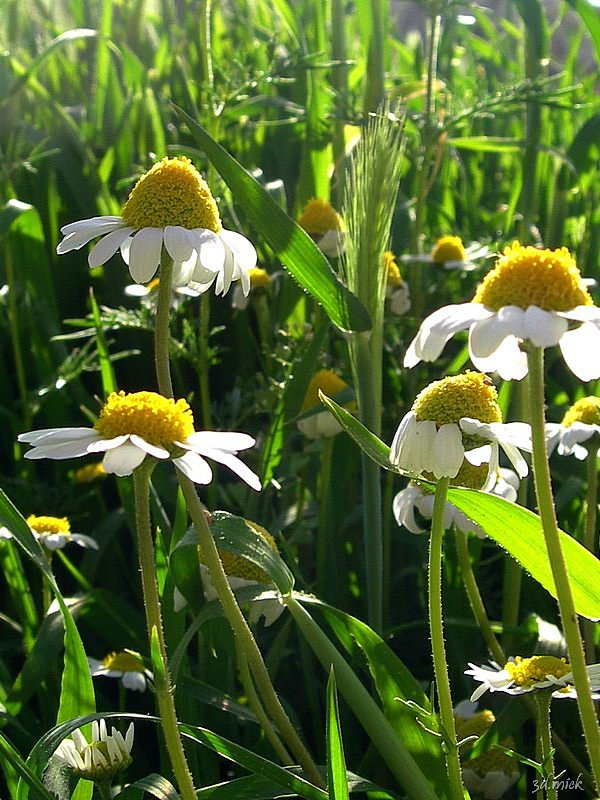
column 509, row 361
column 102, row 445
column 235, row 465
column 178, row 243
column 123, row 460
column 515, row 458
column 144, row 254
column 59, row 451
column 194, row 467
column 439, row 327
column 58, row 435
column 403, row 507
column 151, row 449
column 332, row 243
column 211, row 255
column 575, row 434
column 405, row 429
column 553, row 435
column 108, row 246
column 79, row 233
column 136, row 681
column 544, row 328
column 243, row 250
column 486, row 336
column 221, row 440
column 581, row 351
column 582, row 314
column 84, row 541
column 422, row 442
column 448, row 451
column 479, row 455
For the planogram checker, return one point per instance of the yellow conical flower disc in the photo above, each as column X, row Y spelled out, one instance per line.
column 172, row 192
column 526, row 276
column 585, row 410
column 529, row 671
column 326, row 381
column 158, row 420
column 448, row 400
column 448, row 248
column 238, row 567
column 48, row 524
column 318, row 217
column 125, row 661
column 393, row 274
column 259, row 278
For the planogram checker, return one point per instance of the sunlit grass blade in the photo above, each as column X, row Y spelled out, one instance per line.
column 337, row 783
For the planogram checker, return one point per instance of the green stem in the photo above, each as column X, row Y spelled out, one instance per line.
column 393, row 751
column 544, row 740
column 590, row 535
column 475, row 600
column 545, row 501
column 13, row 324
column 324, row 531
column 161, row 330
column 438, row 649
column 162, row 683
column 104, row 789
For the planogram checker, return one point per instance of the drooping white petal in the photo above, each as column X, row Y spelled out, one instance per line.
column 60, row 451
column 509, row 361
column 226, row 274
column 448, row 451
column 487, row 335
column 108, row 246
column 582, row 314
column 220, row 440
column 235, row 465
column 543, row 328
column 581, row 351
column 553, row 435
column 84, row 541
column 403, row 507
column 405, row 428
column 516, row 459
column 123, row 460
column 57, row 435
column 243, row 250
column 178, row 242
column 83, row 231
column 211, row 255
column 147, row 447
column 194, row 467
column 136, row 681
column 144, row 254
column 437, row 329
column 102, row 445
column 332, row 243
column 421, row 456
column 479, row 455
column 575, row 434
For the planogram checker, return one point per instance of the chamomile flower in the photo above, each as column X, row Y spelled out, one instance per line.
column 170, row 207
column 397, row 291
column 524, row 675
column 53, row 533
column 134, row 426
column 89, row 473
column 100, row 759
column 322, row 424
column 240, row 573
column 259, row 283
column 454, row 419
column 530, row 296
column 325, row 227
column 415, row 499
column 580, row 424
column 126, row 665
column 449, row 252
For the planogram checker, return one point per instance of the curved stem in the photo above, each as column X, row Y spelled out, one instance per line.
column 590, row 535
column 545, row 501
column 162, row 682
column 438, row 649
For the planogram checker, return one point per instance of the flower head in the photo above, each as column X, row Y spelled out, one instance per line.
column 322, row 424
column 454, row 419
column 170, row 207
column 396, row 290
column 579, row 424
column 449, row 252
column 89, row 473
column 100, row 759
column 524, row 675
column 53, row 533
column 133, row 426
column 126, row 665
column 259, row 283
column 324, row 225
column 242, row 572
column 532, row 296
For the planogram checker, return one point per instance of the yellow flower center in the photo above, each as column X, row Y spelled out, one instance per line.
column 529, row 671
column 329, row 383
column 394, row 277
column 475, row 725
column 494, row 760
column 43, row 525
column 158, row 420
column 259, row 278
column 525, row 276
column 318, row 217
column 125, row 661
column 448, row 248
column 585, row 410
column 153, row 286
column 238, row 567
column 89, row 473
column 468, row 395
column 172, row 192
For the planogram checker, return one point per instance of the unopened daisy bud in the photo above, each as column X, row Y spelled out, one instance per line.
column 324, row 225
column 170, row 207
column 322, row 424
column 454, row 419
column 102, row 758
column 531, row 297
column 580, row 424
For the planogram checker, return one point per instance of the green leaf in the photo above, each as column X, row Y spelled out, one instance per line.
column 152, row 784
column 519, row 532
column 293, row 246
column 9, row 213
column 486, row 144
column 337, row 783
column 591, row 20
column 254, row 787
column 37, row 788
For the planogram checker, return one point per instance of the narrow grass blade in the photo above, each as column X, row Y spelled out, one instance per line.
column 337, row 783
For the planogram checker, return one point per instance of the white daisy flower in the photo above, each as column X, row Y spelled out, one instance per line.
column 449, row 252
column 580, row 424
column 133, row 426
column 100, row 759
column 53, row 533
column 126, row 665
column 170, row 207
column 397, row 291
column 415, row 498
column 325, row 227
column 524, row 675
column 455, row 419
column 531, row 295
column 322, row 424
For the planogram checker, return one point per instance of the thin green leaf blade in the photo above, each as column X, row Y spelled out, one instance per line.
column 337, row 783
column 290, row 243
